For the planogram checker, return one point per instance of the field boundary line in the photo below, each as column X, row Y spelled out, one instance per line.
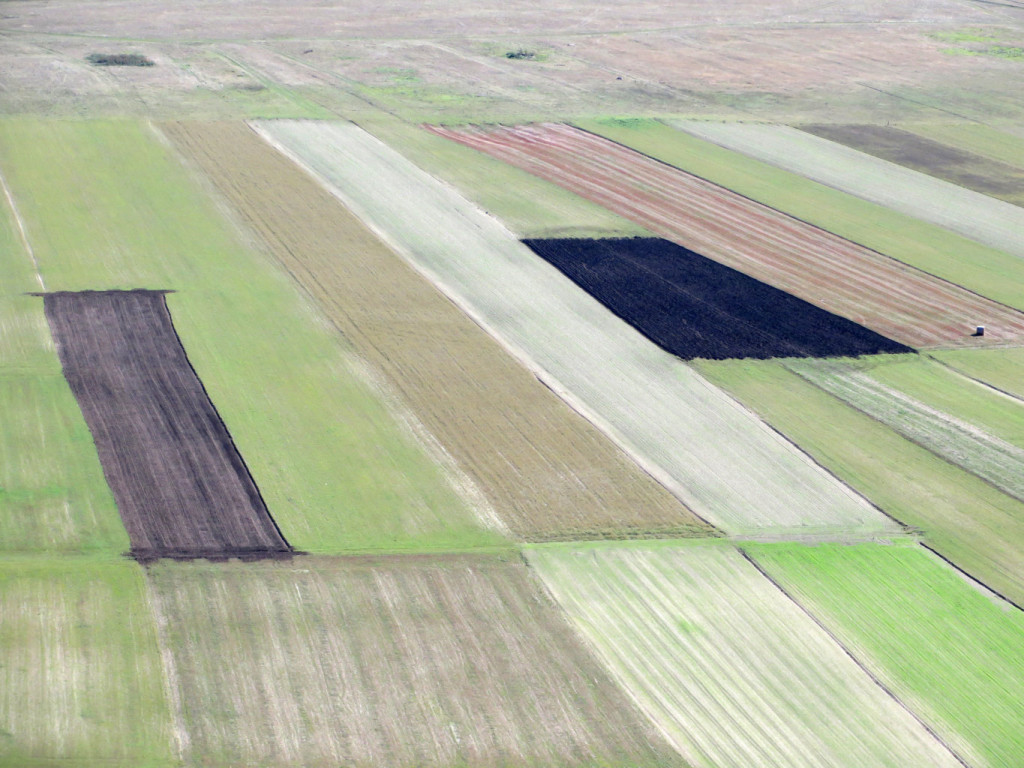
column 21, row 230
column 874, row 678
column 953, row 369
column 975, row 581
column 797, row 218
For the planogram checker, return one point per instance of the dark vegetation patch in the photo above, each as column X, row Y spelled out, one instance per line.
column 694, row 307
column 120, row 60
column 957, row 166
column 180, row 484
column 521, row 53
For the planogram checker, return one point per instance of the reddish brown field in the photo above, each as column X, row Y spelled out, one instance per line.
column 889, row 297
column 180, row 484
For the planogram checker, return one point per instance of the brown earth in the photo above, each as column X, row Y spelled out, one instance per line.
column 180, row 484
column 958, row 166
column 891, row 298
column 400, row 661
column 547, row 472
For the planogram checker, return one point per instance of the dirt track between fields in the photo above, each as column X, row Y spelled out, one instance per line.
column 181, row 486
column 891, row 298
column 548, row 472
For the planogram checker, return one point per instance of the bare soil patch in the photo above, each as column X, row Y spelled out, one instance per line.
column 891, row 298
column 180, row 484
column 546, row 470
column 928, row 156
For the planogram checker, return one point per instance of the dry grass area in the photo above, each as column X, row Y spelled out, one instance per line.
column 401, row 661
column 547, row 472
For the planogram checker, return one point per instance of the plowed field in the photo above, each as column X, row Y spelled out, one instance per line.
column 546, row 471
column 880, row 293
column 181, row 486
column 401, row 661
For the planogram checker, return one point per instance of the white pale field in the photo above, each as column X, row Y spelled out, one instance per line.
column 734, row 672
column 982, row 218
column 719, row 458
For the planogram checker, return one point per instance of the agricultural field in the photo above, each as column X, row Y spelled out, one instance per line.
column 989, row 221
column 504, row 385
column 898, row 302
column 181, row 487
column 436, row 359
column 957, row 166
column 726, row 664
column 702, row 445
column 694, row 307
column 928, row 247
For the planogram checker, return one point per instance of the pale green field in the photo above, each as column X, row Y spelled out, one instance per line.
column 1000, row 368
column 526, row 204
column 975, row 137
column 81, row 678
column 993, row 222
column 962, row 516
column 723, row 463
column 336, row 468
column 729, row 667
column 935, row 250
column 949, row 651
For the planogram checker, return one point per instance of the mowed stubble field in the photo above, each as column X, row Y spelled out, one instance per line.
column 463, row 658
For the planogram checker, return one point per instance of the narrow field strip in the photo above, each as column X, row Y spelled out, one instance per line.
column 110, row 206
column 930, row 157
column 937, row 641
column 986, row 140
column 720, row 460
column 1002, row 368
column 933, row 249
column 962, row 517
column 992, row 222
column 730, row 668
column 995, row 460
column 694, row 307
column 81, row 680
column 181, row 486
column 890, row 298
column 401, row 661
column 547, row 472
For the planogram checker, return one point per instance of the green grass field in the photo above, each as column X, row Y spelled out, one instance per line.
column 81, row 678
column 962, row 516
column 949, row 651
column 975, row 137
column 1000, row 368
column 337, row 470
column 982, row 269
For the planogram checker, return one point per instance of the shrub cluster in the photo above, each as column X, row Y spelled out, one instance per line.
column 120, row 60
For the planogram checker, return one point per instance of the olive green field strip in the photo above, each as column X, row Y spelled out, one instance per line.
column 930, row 248
column 727, row 466
column 1002, row 369
column 891, row 298
column 955, row 440
column 181, row 486
column 81, row 679
column 546, row 471
column 107, row 205
column 962, row 517
column 928, row 156
column 944, row 647
column 985, row 219
column 732, row 670
column 984, row 140
column 399, row 661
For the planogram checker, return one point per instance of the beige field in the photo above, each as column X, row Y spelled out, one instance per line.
column 400, row 661
column 547, row 472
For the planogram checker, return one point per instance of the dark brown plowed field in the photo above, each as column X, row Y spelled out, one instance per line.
column 547, row 472
column 695, row 307
column 180, row 484
column 891, row 298
column 942, row 161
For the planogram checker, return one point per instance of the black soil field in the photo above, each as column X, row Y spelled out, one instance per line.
column 932, row 157
column 694, row 307
column 180, row 484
